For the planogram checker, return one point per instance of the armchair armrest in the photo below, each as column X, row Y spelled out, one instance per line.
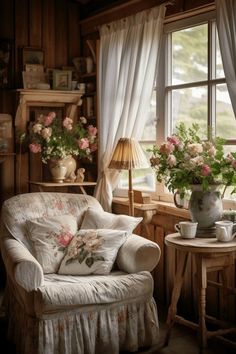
column 138, row 254
column 20, row 265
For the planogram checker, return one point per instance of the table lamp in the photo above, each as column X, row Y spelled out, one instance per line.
column 128, row 155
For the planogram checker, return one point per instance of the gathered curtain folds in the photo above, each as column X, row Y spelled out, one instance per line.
column 129, row 56
column 226, row 25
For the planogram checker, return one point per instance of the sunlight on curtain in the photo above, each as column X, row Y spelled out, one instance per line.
column 129, row 54
column 226, row 25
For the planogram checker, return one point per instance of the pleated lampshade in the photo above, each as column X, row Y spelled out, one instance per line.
column 128, row 155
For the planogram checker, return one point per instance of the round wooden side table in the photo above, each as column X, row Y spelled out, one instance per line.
column 210, row 255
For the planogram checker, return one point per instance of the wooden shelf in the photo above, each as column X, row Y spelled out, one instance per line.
column 93, row 74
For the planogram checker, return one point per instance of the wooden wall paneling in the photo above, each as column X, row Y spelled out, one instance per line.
column 61, row 27
column 229, row 313
column 169, row 269
column 21, row 40
column 21, row 35
column 74, row 47
column 191, row 4
column 48, row 32
column 6, row 19
column 8, row 167
column 35, row 23
column 35, row 39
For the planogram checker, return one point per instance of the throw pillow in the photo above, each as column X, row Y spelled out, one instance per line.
column 97, row 219
column 50, row 236
column 92, row 252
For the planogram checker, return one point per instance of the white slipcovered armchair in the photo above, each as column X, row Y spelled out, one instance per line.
column 75, row 314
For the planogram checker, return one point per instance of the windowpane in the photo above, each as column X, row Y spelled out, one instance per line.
column 190, row 106
column 189, row 51
column 225, row 119
column 219, row 66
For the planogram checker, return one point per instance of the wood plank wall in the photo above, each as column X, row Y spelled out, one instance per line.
column 52, row 25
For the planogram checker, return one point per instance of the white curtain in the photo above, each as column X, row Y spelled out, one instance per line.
column 226, row 25
column 129, row 54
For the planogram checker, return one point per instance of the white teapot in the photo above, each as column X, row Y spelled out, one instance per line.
column 224, row 230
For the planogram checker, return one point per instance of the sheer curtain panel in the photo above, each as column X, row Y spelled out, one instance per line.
column 226, row 25
column 129, row 55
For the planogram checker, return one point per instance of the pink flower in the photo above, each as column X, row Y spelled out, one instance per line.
column 93, row 147
column 173, row 140
column 229, row 157
column 67, row 123
column 166, row 148
column 64, row 238
column 83, row 143
column 233, row 163
column 92, row 130
column 35, row 148
column 171, row 160
column 49, row 118
column 206, row 170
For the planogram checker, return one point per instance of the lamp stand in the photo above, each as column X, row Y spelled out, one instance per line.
column 131, row 195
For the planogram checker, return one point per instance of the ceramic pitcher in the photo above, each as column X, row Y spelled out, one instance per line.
column 224, row 230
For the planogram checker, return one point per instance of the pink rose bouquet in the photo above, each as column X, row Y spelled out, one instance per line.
column 55, row 138
column 184, row 160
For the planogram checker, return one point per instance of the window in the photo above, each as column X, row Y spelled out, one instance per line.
column 195, row 89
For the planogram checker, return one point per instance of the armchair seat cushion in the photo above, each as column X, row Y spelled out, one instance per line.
column 63, row 293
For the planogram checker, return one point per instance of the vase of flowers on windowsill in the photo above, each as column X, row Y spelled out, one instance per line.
column 59, row 141
column 184, row 162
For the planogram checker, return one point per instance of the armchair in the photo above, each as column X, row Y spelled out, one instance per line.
column 51, row 313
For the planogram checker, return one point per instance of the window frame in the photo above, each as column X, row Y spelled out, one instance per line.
column 165, row 88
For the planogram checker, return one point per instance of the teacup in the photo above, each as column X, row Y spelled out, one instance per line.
column 224, row 230
column 187, row 229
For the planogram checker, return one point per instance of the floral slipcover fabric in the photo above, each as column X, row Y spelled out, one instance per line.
column 68, row 314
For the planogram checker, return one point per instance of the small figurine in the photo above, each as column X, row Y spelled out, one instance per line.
column 80, row 175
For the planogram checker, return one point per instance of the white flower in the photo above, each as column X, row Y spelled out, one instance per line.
column 83, row 120
column 46, row 133
column 194, row 149
column 37, row 128
column 196, row 161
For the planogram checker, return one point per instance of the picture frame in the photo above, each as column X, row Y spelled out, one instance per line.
column 6, row 63
column 37, row 68
column 32, row 55
column 62, row 80
column 31, row 79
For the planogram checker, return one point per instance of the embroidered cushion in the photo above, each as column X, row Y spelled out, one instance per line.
column 50, row 236
column 92, row 252
column 97, row 219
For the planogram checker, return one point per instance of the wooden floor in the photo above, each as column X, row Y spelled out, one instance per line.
column 183, row 341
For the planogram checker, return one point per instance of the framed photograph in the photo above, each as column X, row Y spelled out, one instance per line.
column 6, row 63
column 31, row 55
column 36, row 68
column 32, row 79
column 62, row 80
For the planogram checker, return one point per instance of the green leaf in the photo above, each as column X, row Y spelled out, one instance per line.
column 89, row 261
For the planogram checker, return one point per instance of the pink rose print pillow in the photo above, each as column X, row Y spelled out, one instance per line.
column 92, row 252
column 50, row 237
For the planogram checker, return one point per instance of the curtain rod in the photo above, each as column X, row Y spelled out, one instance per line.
column 124, row 5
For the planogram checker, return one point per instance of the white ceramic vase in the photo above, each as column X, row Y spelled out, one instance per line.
column 58, row 170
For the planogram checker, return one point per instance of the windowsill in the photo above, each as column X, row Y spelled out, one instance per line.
column 159, row 206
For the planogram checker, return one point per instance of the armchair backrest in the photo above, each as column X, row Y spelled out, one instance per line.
column 22, row 207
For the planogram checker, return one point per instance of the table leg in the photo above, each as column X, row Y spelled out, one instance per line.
column 201, row 286
column 82, row 190
column 178, row 282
